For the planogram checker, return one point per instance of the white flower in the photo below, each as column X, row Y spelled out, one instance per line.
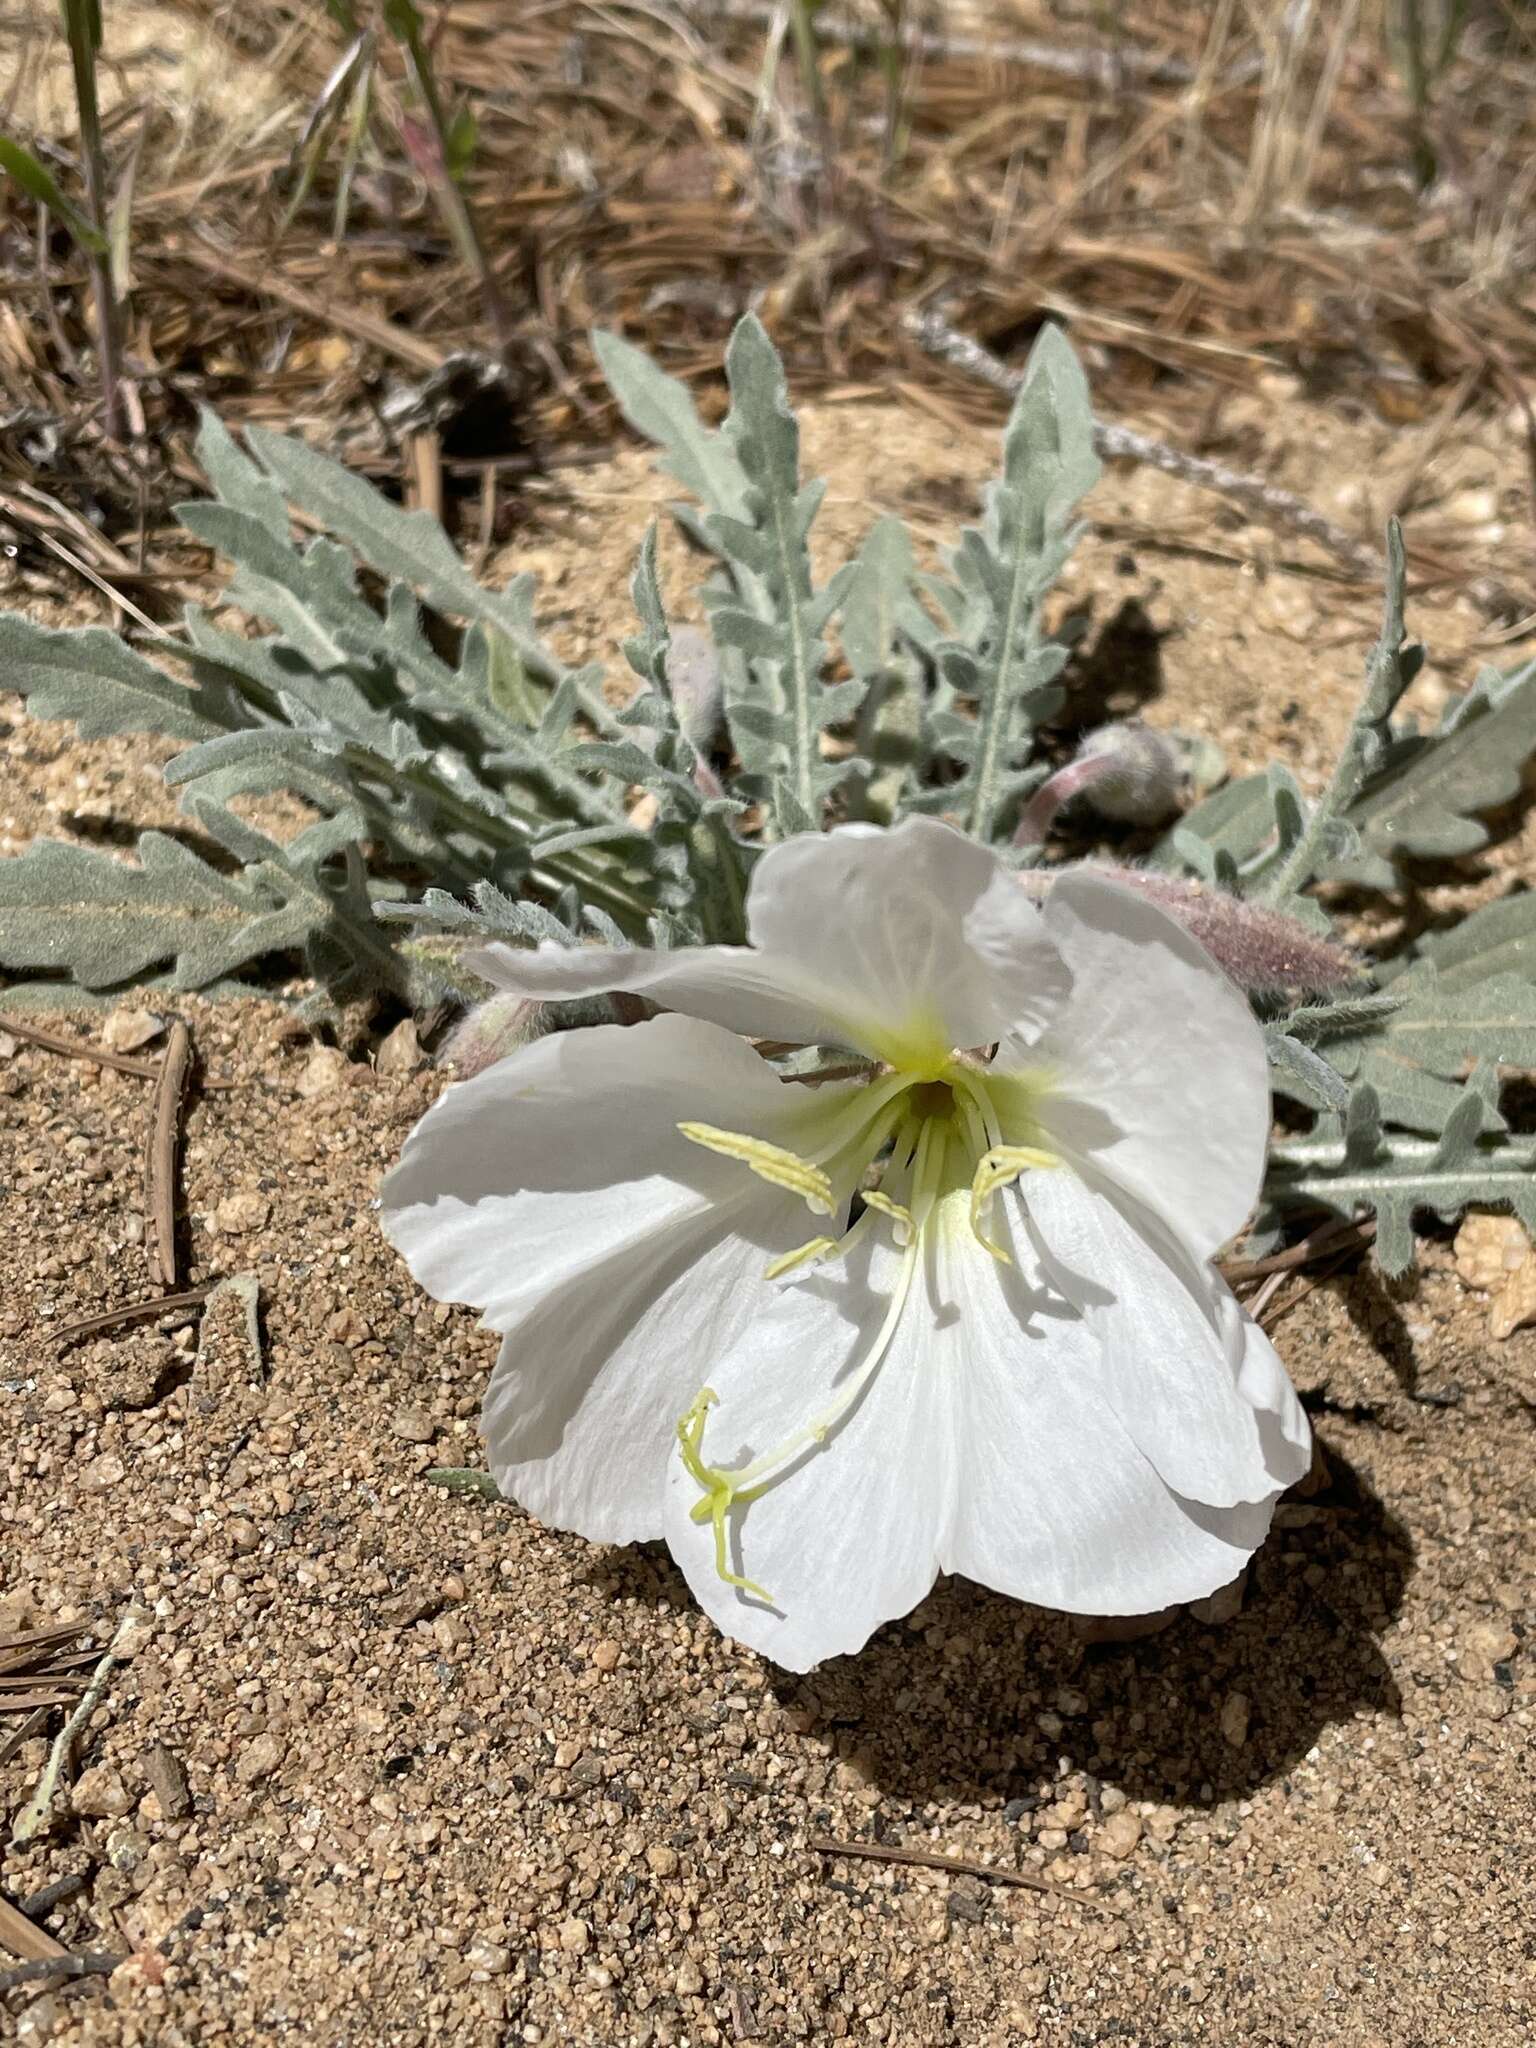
column 1012, row 1360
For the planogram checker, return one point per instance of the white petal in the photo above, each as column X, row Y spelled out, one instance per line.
column 1179, row 1373
column 581, row 1415
column 1054, row 1501
column 1161, row 1076
column 554, row 1192
column 520, row 1181
column 918, row 935
column 732, row 986
column 848, row 1537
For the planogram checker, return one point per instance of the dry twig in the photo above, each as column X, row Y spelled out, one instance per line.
column 88, row 1963
column 133, row 1312
column 31, row 1819
column 1111, row 69
column 956, row 1866
column 160, row 1155
column 74, row 1049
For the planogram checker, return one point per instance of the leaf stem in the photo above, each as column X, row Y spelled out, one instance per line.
column 1384, row 684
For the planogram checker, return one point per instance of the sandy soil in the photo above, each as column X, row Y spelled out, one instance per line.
column 451, row 1777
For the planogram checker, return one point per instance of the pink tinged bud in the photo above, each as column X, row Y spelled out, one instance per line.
column 1264, row 951
column 693, row 674
column 490, row 1031
column 421, row 147
column 1127, row 772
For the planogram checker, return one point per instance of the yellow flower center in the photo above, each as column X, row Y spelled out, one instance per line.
column 918, row 1134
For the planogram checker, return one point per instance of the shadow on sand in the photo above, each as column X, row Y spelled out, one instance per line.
column 974, row 1697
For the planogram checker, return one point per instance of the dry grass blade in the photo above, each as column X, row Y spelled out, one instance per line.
column 1208, row 195
column 33, row 1816
column 957, row 1866
column 27, row 1649
column 1342, row 1235
column 24, row 1938
column 336, row 316
column 160, row 1155
column 133, row 1312
column 73, row 1049
column 22, row 1734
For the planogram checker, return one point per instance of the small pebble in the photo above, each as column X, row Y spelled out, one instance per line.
column 326, row 1068
column 242, row 1212
column 167, row 1776
column 258, row 1759
column 401, row 1053
column 1234, row 1719
column 100, row 1794
column 127, row 1030
column 414, row 1424
column 1119, row 1834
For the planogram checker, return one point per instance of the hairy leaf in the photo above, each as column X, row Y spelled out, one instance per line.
column 92, row 677
column 78, row 912
column 1499, row 938
column 1004, row 570
column 1414, row 1057
column 1373, row 1170
column 661, row 408
column 1428, row 795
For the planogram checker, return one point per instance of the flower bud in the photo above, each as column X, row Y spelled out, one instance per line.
column 490, row 1031
column 1266, row 952
column 698, row 693
column 1139, row 774
column 1127, row 772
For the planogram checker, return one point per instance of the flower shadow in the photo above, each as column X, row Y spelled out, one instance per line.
column 975, row 1697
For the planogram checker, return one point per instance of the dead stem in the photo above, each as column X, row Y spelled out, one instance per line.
column 133, row 1312
column 925, row 1859
column 160, row 1156
column 73, row 1049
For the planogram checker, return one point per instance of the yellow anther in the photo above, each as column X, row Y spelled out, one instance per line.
column 802, row 1255
column 720, row 1489
column 769, row 1162
column 900, row 1215
column 994, row 1170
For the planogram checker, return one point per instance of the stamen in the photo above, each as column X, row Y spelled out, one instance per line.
column 994, row 1170
column 803, row 1255
column 976, row 1099
column 868, row 1120
column 720, row 1488
column 899, row 1214
column 770, row 1162
column 724, row 1488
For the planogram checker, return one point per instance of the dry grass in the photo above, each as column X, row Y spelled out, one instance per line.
column 1218, row 193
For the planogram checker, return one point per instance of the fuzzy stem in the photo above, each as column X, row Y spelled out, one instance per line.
column 1384, row 683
